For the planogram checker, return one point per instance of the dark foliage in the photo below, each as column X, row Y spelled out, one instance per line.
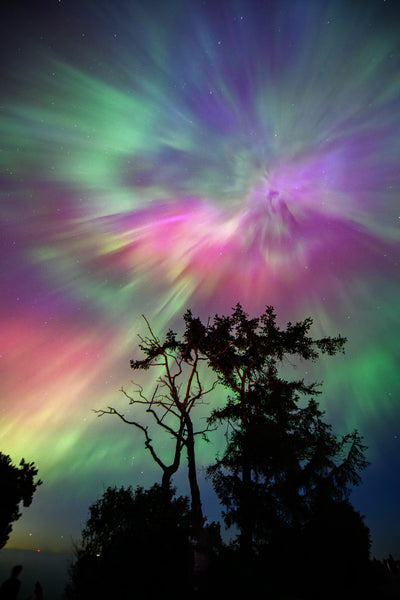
column 334, row 547
column 17, row 485
column 133, row 543
column 283, row 470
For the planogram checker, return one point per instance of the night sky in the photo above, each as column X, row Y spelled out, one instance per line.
column 159, row 156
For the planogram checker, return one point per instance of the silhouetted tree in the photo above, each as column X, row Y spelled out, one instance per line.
column 17, row 484
column 297, row 467
column 179, row 388
column 244, row 353
column 282, row 464
column 133, row 542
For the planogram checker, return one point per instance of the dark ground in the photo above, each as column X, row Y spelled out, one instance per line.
column 51, row 570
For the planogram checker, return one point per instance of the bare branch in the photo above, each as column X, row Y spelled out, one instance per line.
column 162, row 423
column 112, row 411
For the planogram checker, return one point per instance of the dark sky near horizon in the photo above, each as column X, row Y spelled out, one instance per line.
column 156, row 156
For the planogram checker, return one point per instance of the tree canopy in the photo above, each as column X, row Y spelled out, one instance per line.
column 17, row 484
column 134, row 542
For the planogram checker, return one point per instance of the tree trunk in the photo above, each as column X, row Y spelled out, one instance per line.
column 196, row 510
column 246, row 525
column 170, row 470
column 167, row 476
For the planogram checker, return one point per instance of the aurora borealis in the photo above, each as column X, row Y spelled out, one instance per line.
column 158, row 156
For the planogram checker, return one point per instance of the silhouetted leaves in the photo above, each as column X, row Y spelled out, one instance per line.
column 17, row 485
column 134, row 542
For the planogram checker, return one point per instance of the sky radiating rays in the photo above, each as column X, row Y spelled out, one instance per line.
column 160, row 156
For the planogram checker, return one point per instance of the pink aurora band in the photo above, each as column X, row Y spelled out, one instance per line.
column 297, row 233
